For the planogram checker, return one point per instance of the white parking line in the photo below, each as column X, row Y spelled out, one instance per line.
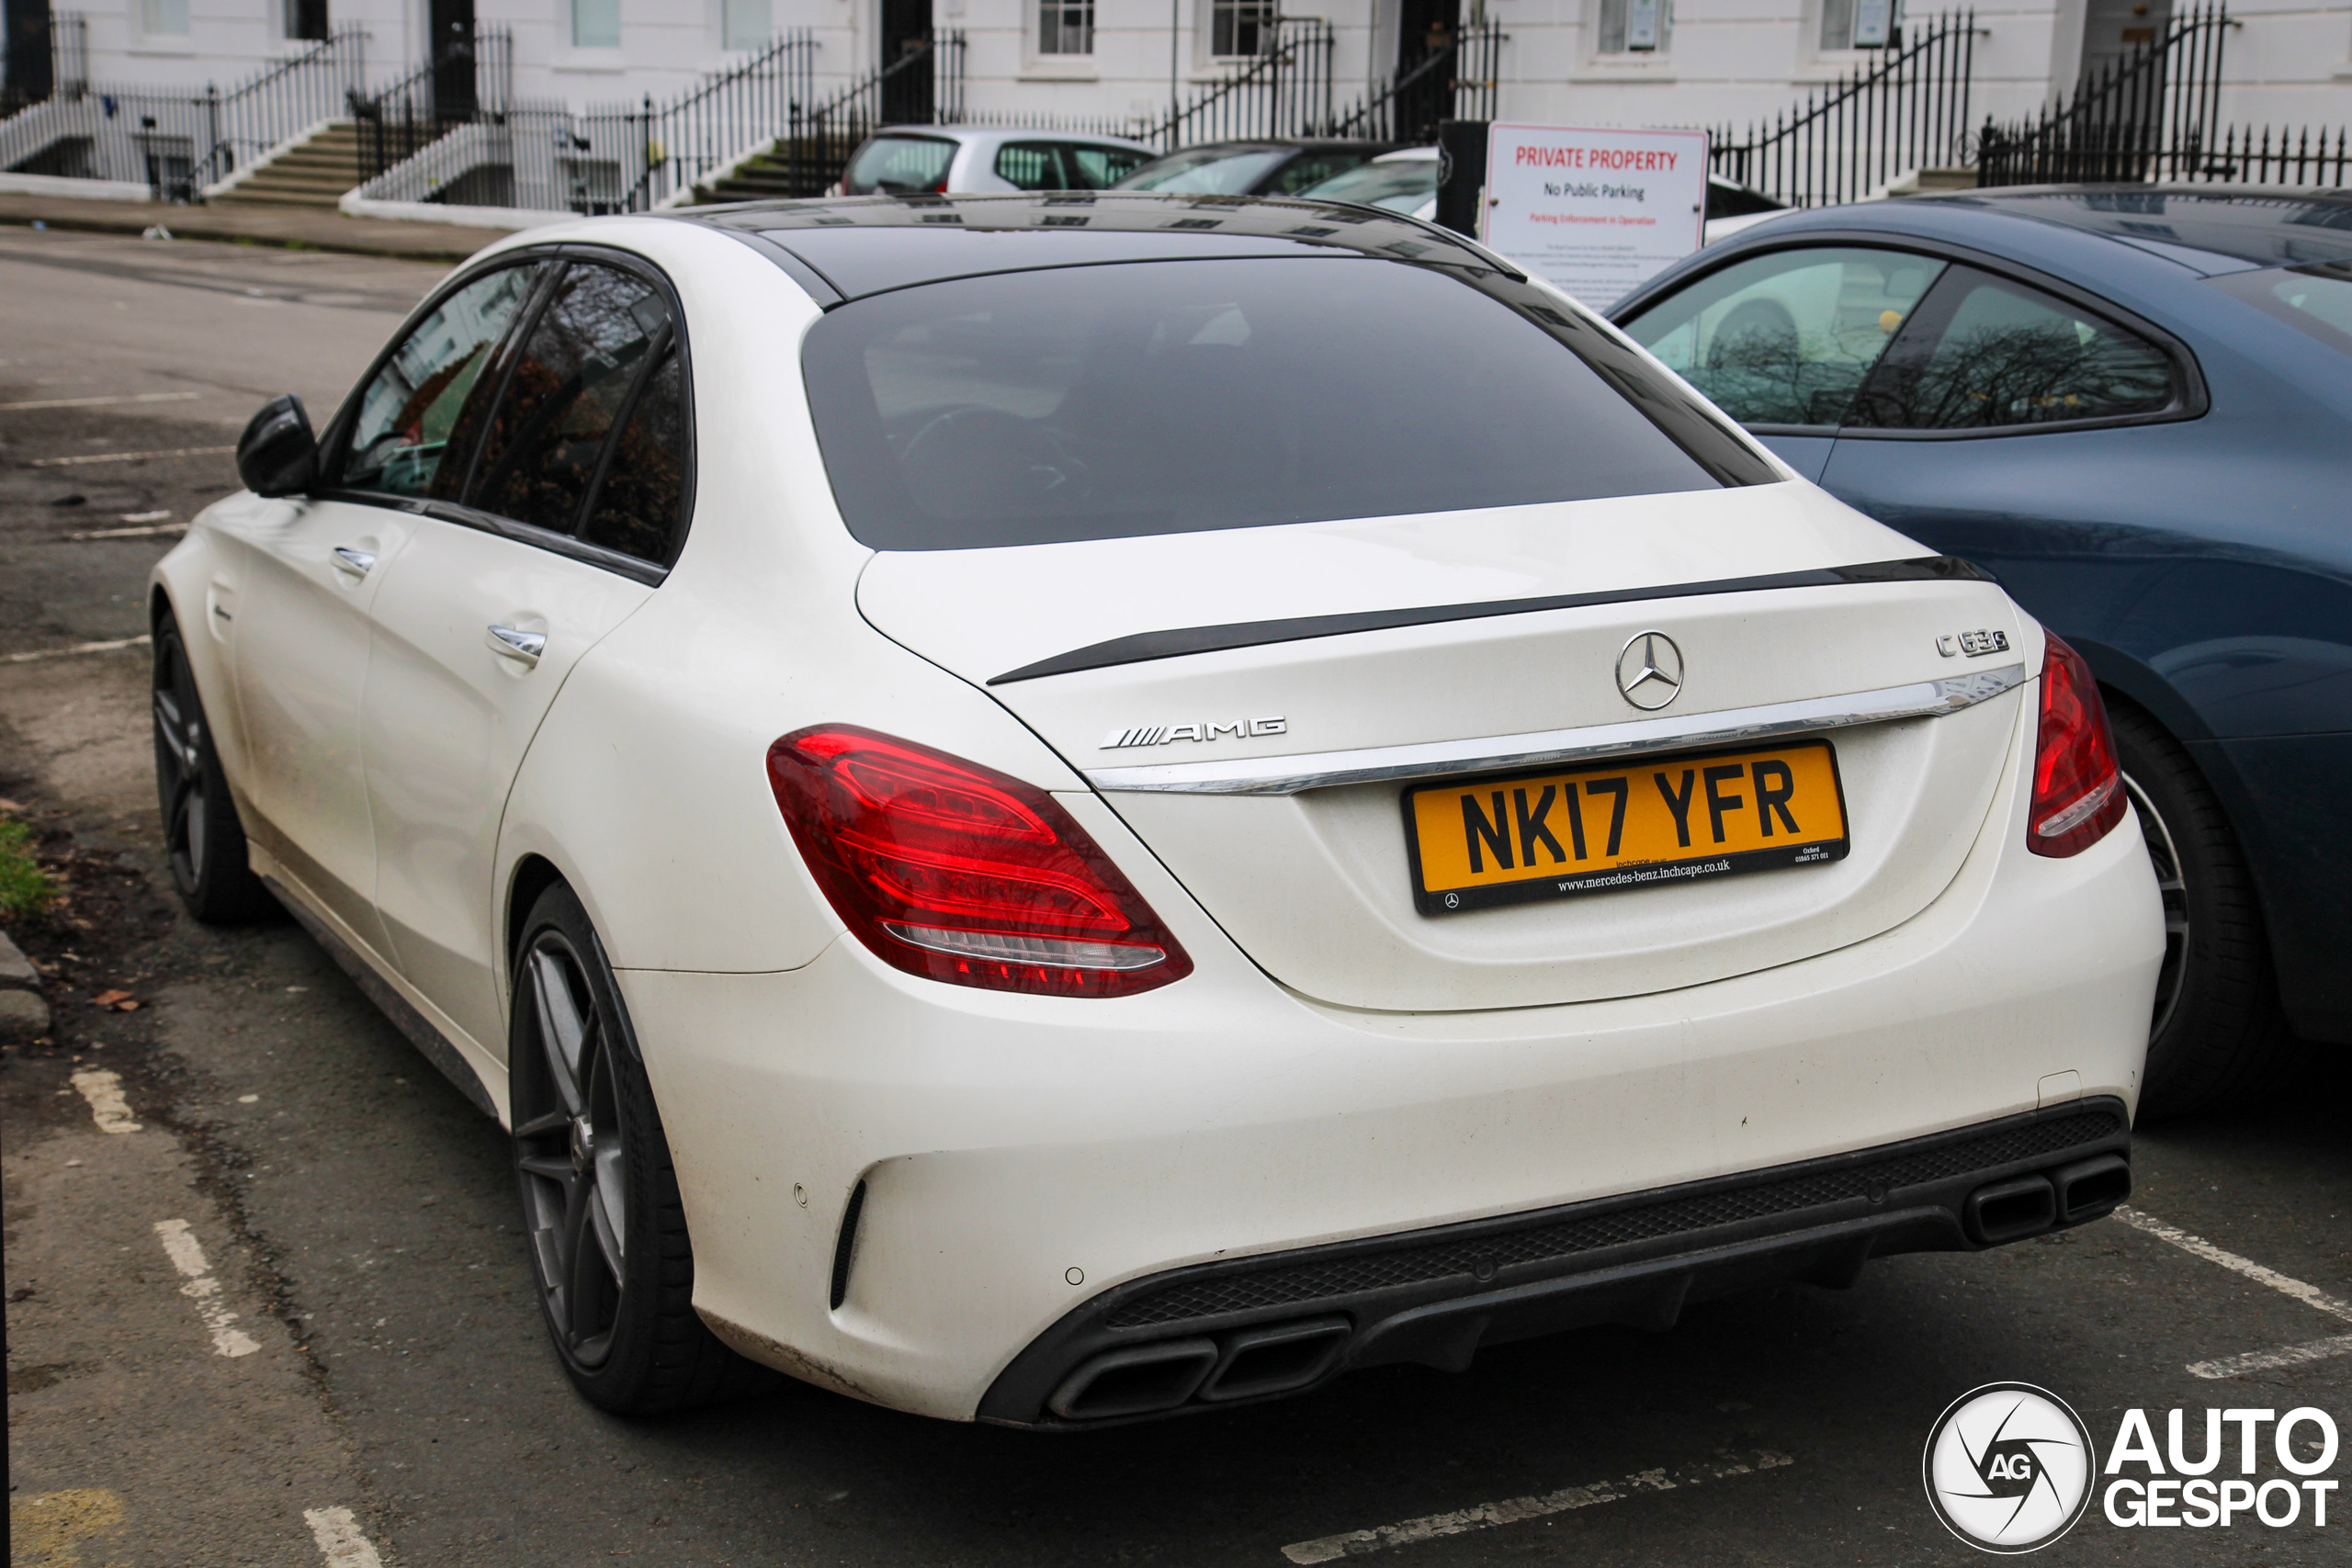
column 1486, row 1515
column 95, row 402
column 2253, row 1361
column 340, row 1543
column 102, row 1090
column 76, row 647
column 128, row 456
column 147, row 531
column 187, row 1256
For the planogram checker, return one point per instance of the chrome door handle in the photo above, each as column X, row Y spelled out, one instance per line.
column 360, row 563
column 523, row 647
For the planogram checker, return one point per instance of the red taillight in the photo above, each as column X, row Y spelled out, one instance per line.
column 2077, row 788
column 958, row 873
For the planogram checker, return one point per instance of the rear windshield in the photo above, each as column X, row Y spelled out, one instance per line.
column 2315, row 299
column 1101, row 402
column 1399, row 187
column 1205, row 171
column 899, row 164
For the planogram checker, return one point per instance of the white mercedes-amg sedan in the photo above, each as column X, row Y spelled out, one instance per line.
column 1059, row 808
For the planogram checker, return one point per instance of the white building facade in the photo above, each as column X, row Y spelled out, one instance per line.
column 1664, row 62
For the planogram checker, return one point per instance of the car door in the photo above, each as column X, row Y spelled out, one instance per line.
column 567, row 520
column 2035, row 436
column 1783, row 341
column 315, row 565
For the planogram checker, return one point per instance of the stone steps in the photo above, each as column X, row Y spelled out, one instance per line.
column 311, row 174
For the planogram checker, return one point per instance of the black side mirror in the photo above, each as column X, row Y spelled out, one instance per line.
column 278, row 454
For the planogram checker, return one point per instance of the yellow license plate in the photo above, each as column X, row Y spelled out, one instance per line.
column 1631, row 823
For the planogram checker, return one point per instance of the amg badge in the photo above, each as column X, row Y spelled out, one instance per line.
column 1162, row 734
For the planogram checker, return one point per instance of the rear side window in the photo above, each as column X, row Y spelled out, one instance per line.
column 1788, row 338
column 899, row 163
column 640, row 506
column 1985, row 352
column 1171, row 397
column 565, row 395
column 2315, row 299
column 1029, row 165
column 1096, row 168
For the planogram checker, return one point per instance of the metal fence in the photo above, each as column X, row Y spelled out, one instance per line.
column 924, row 86
column 458, row 88
column 1908, row 110
column 1457, row 76
column 2156, row 115
column 1283, row 92
column 178, row 142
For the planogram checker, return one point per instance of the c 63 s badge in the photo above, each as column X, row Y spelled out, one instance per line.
column 1976, row 644
column 1167, row 734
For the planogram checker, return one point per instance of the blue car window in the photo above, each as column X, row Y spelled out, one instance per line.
column 1985, row 352
column 1787, row 338
column 2315, row 299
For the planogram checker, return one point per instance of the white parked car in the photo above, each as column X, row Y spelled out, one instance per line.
column 937, row 159
column 1053, row 812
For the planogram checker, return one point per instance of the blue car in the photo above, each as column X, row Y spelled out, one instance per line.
column 2132, row 405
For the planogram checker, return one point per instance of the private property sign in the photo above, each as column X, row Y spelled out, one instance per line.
column 1594, row 211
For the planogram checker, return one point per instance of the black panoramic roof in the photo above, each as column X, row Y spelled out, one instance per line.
column 2264, row 226
column 854, row 246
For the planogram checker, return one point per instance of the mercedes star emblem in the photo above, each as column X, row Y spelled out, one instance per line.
column 1649, row 673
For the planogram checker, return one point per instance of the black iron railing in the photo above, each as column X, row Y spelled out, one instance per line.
column 1283, row 91
column 457, row 87
column 924, row 86
column 1456, row 76
column 2154, row 114
column 176, row 142
column 1908, row 110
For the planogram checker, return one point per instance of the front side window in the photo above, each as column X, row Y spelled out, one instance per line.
column 1788, row 338
column 416, row 412
column 1986, row 353
column 1117, row 401
column 892, row 164
column 1066, row 27
column 543, row 445
column 1241, row 27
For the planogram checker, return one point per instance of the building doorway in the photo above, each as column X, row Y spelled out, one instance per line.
column 907, row 96
column 2117, row 30
column 450, row 46
column 1425, row 29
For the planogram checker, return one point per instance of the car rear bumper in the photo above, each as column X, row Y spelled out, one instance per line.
column 1267, row 1327
column 1022, row 1165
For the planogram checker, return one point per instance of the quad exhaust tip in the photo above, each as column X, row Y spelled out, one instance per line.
column 1143, row 1380
column 2027, row 1205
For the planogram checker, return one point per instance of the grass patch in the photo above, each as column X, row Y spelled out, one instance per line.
column 24, row 886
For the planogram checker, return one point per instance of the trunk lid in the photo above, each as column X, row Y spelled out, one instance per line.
column 1197, row 678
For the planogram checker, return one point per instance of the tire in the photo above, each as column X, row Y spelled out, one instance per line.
column 604, row 1225
column 2216, row 1036
column 203, row 840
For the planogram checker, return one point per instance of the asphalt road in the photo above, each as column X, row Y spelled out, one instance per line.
column 287, row 1320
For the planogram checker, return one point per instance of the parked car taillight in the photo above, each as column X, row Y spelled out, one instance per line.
column 958, row 873
column 2077, row 788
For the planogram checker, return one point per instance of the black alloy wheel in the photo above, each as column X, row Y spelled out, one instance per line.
column 602, row 1219
column 2215, row 1036
column 203, row 838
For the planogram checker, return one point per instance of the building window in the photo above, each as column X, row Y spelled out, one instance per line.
column 1241, row 27
column 744, row 24
column 1635, row 26
column 595, row 24
column 1066, row 27
column 1859, row 24
column 163, row 18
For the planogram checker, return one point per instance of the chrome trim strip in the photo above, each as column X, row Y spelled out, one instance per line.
column 1322, row 770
